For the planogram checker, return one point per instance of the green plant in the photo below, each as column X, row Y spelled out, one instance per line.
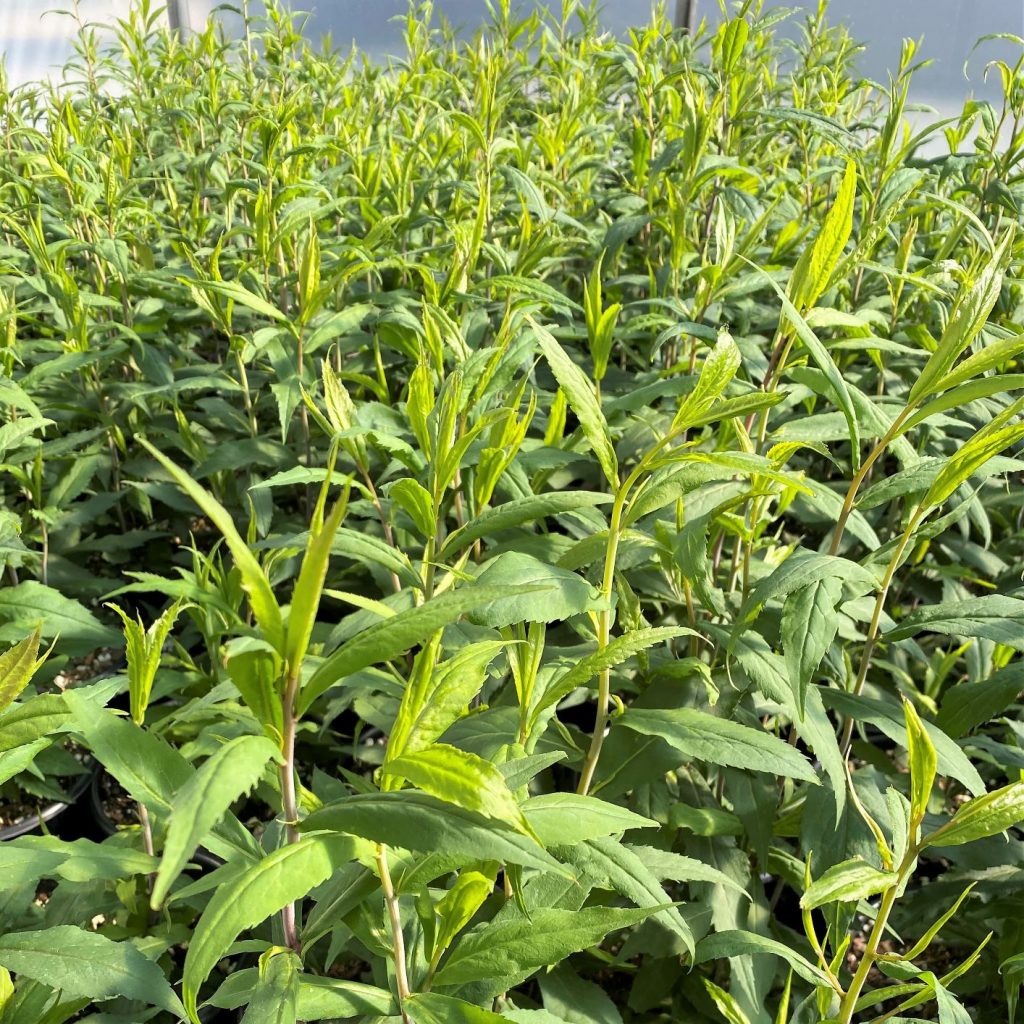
column 561, row 495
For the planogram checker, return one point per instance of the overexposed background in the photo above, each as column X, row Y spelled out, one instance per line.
column 34, row 36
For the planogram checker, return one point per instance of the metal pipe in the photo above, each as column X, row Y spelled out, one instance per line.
column 686, row 15
column 177, row 17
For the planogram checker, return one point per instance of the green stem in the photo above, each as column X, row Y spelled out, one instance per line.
column 861, row 474
column 876, row 616
column 848, row 1007
column 289, row 802
column 397, row 935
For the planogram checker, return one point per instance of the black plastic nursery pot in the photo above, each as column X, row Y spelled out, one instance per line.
column 104, row 794
column 63, row 817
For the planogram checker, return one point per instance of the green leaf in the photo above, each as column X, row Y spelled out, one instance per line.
column 434, row 1008
column 810, row 620
column 458, row 905
column 973, row 305
column 580, row 393
column 800, row 570
column 848, row 882
column 984, row 816
column 575, row 1000
column 27, row 859
column 738, row 943
column 701, row 736
column 510, row 949
column 361, row 547
column 240, row 294
column 992, row 616
column 318, row 998
column 967, row 705
column 517, row 512
column 394, row 636
column 717, row 372
column 824, row 361
column 617, row 651
column 144, row 650
column 415, row 499
column 828, row 246
column 309, row 587
column 33, row 605
column 992, row 356
column 923, row 764
column 276, row 994
column 262, row 889
column 459, row 777
column 418, row 821
column 608, row 864
column 888, row 717
column 151, row 770
column 958, row 397
column 254, row 579
column 428, row 710
column 535, row 592
column 727, row 1004
column 564, row 819
column 231, row 771
column 666, row 864
column 85, row 964
column 17, row 667
column 970, row 457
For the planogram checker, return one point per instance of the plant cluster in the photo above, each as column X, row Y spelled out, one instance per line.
column 553, row 503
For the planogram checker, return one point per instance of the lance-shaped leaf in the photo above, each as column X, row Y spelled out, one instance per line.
column 228, row 773
column 564, row 819
column 810, row 620
column 459, row 777
column 521, row 577
column 310, row 585
column 395, row 635
column 824, row 361
column 150, row 769
column 418, row 821
column 510, row 949
column 617, row 651
column 580, row 393
column 86, row 964
column 718, row 370
column 738, row 943
column 849, row 882
column 992, row 616
column 923, row 764
column 276, row 995
column 972, row 455
column 318, row 998
column 144, row 649
column 973, row 305
column 262, row 889
column 609, row 864
column 814, row 271
column 17, row 667
column 254, row 579
column 29, row 858
column 701, row 736
column 984, row 816
column 518, row 512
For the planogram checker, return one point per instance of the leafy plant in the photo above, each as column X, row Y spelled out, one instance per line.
column 526, row 530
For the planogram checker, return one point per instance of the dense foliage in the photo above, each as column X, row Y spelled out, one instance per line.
column 551, row 505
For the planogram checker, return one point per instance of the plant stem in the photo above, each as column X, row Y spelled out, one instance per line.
column 604, row 625
column 848, row 1007
column 289, row 801
column 860, row 476
column 876, row 616
column 397, row 935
